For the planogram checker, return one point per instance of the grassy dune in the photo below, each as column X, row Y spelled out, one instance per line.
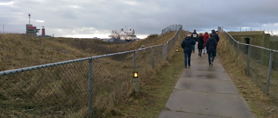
column 19, row 51
column 62, row 91
column 252, row 87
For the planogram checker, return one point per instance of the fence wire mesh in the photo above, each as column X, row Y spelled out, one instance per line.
column 258, row 60
column 175, row 27
column 273, row 87
column 110, row 86
column 275, row 61
column 171, row 44
column 143, row 61
column 87, row 87
column 158, row 55
column 46, row 92
column 257, row 70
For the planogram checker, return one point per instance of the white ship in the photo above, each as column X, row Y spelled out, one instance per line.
column 125, row 34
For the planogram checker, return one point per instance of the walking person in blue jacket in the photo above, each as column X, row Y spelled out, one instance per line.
column 211, row 45
column 187, row 49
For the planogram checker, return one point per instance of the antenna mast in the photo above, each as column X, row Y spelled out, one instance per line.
column 29, row 18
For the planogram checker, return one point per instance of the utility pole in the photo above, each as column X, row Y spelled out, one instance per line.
column 29, row 18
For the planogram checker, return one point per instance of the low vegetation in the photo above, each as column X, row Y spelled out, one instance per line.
column 18, row 50
column 250, row 87
column 62, row 91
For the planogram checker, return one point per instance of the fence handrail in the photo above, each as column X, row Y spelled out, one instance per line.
column 171, row 28
column 248, row 44
column 7, row 72
column 173, row 36
column 66, row 62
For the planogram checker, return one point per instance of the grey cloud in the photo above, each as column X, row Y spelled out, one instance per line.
column 145, row 16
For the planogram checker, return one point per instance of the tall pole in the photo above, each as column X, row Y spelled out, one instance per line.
column 269, row 71
column 29, row 18
column 3, row 28
column 90, row 88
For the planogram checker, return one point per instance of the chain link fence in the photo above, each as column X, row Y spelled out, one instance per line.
column 86, row 87
column 259, row 63
column 170, row 28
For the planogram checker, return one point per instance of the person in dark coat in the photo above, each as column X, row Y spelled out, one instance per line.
column 205, row 36
column 211, row 45
column 200, row 43
column 215, row 35
column 194, row 36
column 187, row 49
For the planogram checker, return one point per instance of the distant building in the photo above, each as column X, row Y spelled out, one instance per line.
column 124, row 35
column 43, row 33
column 31, row 30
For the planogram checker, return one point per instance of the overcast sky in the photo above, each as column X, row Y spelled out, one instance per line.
column 97, row 18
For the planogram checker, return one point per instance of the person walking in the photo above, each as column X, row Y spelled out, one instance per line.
column 187, row 49
column 205, row 38
column 215, row 35
column 211, row 45
column 200, row 44
column 194, row 36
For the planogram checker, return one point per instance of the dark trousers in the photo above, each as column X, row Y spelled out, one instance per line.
column 211, row 56
column 187, row 57
column 200, row 52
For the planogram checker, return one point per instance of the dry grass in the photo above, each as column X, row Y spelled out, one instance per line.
column 21, row 51
column 55, row 91
column 17, row 50
column 247, row 33
column 235, row 65
column 156, row 90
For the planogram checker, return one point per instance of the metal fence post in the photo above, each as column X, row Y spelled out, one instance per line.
column 269, row 70
column 248, row 59
column 166, row 51
column 163, row 52
column 173, row 40
column 152, row 57
column 135, row 81
column 90, row 88
column 233, row 43
column 134, row 60
column 238, row 47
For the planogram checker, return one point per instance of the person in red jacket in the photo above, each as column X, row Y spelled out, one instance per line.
column 205, row 37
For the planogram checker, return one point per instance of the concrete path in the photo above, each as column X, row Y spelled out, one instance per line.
column 205, row 91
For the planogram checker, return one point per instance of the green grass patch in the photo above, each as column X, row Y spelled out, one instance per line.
column 154, row 95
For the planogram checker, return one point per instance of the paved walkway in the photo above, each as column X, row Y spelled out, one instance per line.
column 205, row 91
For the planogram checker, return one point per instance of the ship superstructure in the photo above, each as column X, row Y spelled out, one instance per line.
column 124, row 34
